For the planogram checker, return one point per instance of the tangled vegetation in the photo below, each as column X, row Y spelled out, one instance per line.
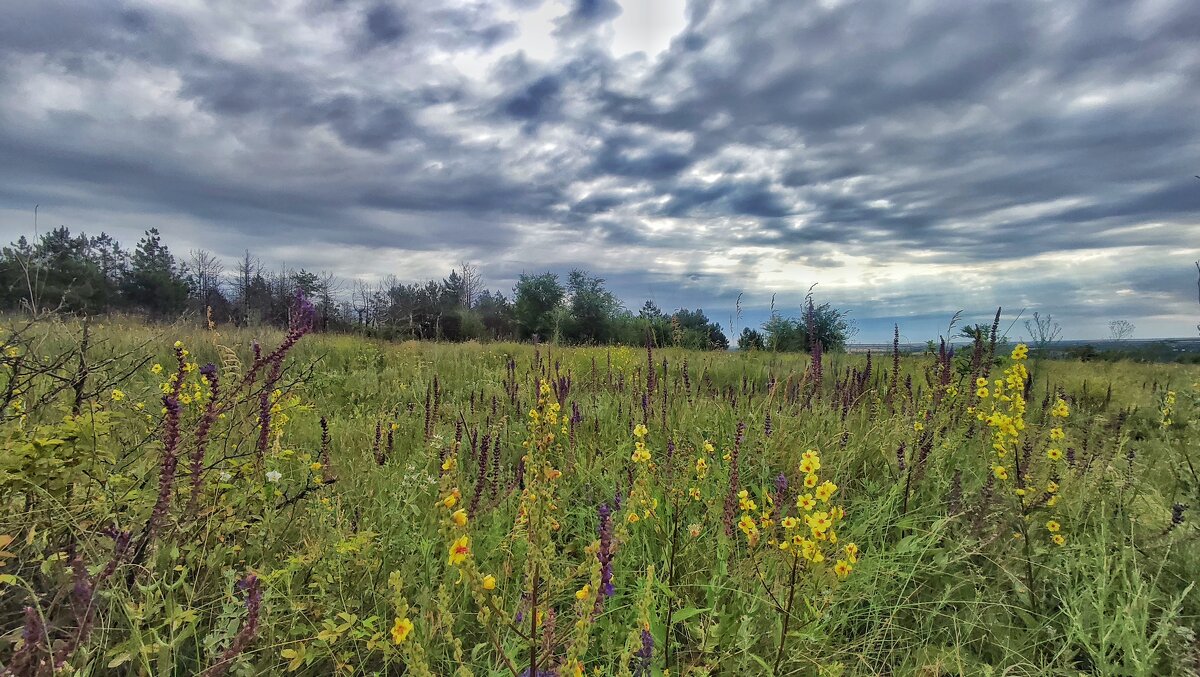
column 180, row 501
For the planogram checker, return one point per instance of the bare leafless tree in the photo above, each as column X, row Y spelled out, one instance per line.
column 247, row 267
column 1121, row 329
column 207, row 271
column 1043, row 330
column 472, row 283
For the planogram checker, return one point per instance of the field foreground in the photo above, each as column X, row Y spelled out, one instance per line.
column 330, row 505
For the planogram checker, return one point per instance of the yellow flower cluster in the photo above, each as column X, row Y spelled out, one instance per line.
column 1167, row 408
column 1006, row 420
column 641, row 454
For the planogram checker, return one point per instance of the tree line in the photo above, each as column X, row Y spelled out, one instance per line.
column 93, row 275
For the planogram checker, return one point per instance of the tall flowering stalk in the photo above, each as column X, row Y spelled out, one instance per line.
column 211, row 411
column 301, row 323
column 249, row 630
column 605, row 556
column 735, row 480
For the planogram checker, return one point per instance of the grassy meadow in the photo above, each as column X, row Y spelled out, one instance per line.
column 328, row 504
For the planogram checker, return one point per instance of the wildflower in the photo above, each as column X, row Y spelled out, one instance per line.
column 274, row 476
column 825, row 491
column 694, row 492
column 809, row 466
column 633, row 517
column 918, row 426
column 605, row 553
column 178, row 345
column 489, row 582
column 1054, row 453
column 813, row 458
column 789, row 523
column 806, row 502
column 451, row 500
column 1020, row 352
column 1000, row 472
column 708, row 447
column 1058, row 539
column 315, row 467
column 117, row 395
column 981, row 393
column 694, row 530
column 851, row 553
column 1060, row 409
column 842, row 568
column 460, row 517
column 640, row 453
column 401, row 630
column 810, row 481
column 1052, row 487
column 747, row 524
column 836, row 513
column 819, row 522
column 459, row 550
column 640, row 431
column 746, row 503
column 701, row 468
column 450, row 463
column 1052, row 526
column 584, row 592
column 1056, row 433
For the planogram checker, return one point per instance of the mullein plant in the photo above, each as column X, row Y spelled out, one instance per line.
column 796, row 551
column 545, row 577
column 1028, row 485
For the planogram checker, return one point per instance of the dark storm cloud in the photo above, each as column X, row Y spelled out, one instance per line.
column 870, row 146
column 584, row 14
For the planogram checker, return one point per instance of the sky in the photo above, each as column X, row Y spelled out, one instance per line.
column 910, row 158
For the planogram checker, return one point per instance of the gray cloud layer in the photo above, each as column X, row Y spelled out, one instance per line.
column 912, row 157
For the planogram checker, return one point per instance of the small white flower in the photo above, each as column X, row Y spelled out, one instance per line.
column 225, row 476
column 274, row 476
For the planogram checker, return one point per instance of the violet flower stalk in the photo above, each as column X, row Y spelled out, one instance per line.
column 481, row 476
column 375, row 446
column 644, row 655
column 326, row 467
column 734, row 480
column 249, row 628
column 25, row 660
column 605, row 556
